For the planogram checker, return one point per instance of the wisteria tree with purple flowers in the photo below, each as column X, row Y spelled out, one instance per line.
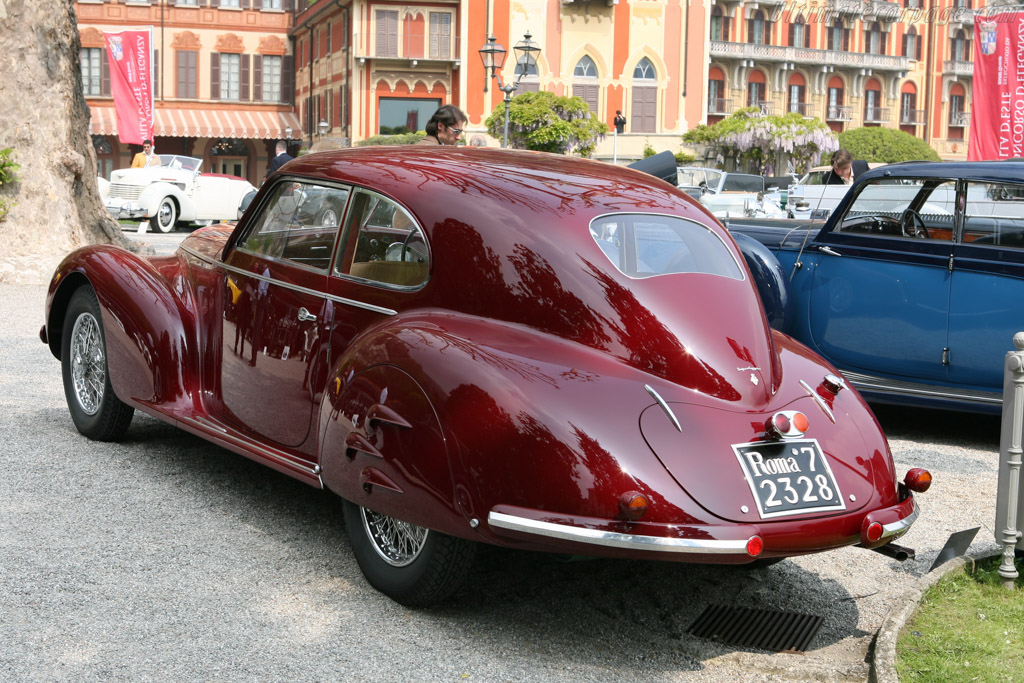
column 752, row 141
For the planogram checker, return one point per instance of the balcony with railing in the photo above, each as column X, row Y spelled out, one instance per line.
column 407, row 47
column 763, row 105
column 838, row 112
column 808, row 56
column 801, row 108
column 961, row 17
column 913, row 117
column 848, row 7
column 876, row 114
column 957, row 67
column 719, row 105
column 883, row 10
column 959, row 119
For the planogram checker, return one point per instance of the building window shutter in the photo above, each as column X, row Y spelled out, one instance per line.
column 257, row 78
column 104, row 73
column 243, row 79
column 258, row 5
column 214, row 75
column 337, row 108
column 287, row 5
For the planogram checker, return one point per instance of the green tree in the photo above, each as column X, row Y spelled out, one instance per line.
column 886, row 145
column 756, row 142
column 545, row 122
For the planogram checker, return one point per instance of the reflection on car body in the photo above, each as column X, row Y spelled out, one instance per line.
column 487, row 346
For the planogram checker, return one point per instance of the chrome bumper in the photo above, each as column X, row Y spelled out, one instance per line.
column 612, row 539
column 122, row 208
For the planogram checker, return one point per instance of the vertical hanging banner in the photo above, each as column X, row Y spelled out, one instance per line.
column 997, row 107
column 130, row 56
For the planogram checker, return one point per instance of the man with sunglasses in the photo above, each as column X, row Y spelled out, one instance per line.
column 445, row 126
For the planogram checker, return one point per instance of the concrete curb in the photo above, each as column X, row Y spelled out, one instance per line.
column 883, row 661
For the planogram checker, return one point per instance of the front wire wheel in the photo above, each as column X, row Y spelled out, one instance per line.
column 95, row 410
column 412, row 565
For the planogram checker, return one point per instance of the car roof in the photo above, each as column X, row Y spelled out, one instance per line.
column 497, row 189
column 990, row 171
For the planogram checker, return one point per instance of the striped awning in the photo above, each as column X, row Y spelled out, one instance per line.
column 197, row 122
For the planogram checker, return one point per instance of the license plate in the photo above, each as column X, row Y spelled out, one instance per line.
column 789, row 478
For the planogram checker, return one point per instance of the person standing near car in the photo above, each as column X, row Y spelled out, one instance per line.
column 147, row 157
column 282, row 158
column 844, row 168
column 445, row 126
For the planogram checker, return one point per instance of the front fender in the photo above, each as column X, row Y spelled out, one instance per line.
column 151, row 197
column 149, row 327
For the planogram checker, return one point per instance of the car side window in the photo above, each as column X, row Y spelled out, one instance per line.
column 390, row 249
column 909, row 208
column 994, row 215
column 299, row 223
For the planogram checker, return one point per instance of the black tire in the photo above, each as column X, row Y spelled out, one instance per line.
column 95, row 410
column 430, row 571
column 166, row 215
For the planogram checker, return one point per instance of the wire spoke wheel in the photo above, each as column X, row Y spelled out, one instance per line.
column 88, row 364
column 398, row 543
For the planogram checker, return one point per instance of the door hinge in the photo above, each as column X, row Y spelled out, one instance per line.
column 945, row 356
column 951, row 263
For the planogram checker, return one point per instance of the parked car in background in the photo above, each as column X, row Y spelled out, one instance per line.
column 810, row 197
column 913, row 286
column 175, row 192
column 528, row 350
column 728, row 194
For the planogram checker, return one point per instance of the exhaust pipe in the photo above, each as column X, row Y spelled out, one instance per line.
column 897, row 552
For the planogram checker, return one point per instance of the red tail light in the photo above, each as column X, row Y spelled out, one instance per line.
column 633, row 505
column 787, row 424
column 874, row 531
column 754, row 546
column 918, row 480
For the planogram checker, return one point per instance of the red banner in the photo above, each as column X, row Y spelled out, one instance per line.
column 997, row 107
column 131, row 83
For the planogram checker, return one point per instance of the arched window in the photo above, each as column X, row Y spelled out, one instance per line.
column 718, row 102
column 874, row 114
column 912, row 44
column 796, row 94
column 756, row 91
column 910, row 115
column 585, row 85
column 874, row 39
column 757, row 28
column 527, row 66
column 838, row 36
column 645, row 97
column 960, row 47
column 719, row 24
column 798, row 32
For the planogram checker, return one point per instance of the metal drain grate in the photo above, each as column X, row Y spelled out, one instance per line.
column 759, row 628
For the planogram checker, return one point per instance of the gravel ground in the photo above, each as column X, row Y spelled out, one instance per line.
column 163, row 557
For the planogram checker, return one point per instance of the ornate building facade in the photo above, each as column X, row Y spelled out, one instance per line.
column 223, row 80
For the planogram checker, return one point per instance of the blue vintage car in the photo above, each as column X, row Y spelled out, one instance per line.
column 913, row 287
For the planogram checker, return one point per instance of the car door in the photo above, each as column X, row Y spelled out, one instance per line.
column 987, row 300
column 276, row 315
column 879, row 299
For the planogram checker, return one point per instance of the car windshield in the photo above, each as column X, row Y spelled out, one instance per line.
column 177, row 161
column 695, row 176
column 644, row 245
column 743, row 182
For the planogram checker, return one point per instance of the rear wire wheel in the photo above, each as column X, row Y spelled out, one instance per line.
column 95, row 410
column 412, row 565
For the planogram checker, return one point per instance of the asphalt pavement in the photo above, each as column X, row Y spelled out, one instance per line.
column 165, row 558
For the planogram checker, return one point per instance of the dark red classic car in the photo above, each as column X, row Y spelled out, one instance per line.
column 470, row 345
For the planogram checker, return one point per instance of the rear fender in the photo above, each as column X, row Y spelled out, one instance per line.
column 771, row 280
column 149, row 329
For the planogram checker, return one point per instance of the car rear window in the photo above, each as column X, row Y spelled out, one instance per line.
column 645, row 245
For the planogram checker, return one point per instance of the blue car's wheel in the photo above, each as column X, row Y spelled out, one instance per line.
column 95, row 410
column 409, row 564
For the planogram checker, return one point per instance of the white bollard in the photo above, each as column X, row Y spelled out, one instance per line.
column 143, row 227
column 1009, row 512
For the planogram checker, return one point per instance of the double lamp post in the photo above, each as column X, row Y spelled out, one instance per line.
column 493, row 56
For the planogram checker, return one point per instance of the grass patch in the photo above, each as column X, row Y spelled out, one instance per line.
column 967, row 628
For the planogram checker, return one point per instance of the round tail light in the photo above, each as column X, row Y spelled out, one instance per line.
column 787, row 424
column 633, row 505
column 918, row 480
column 874, row 531
column 754, row 546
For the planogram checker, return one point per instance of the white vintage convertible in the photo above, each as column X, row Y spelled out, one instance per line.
column 175, row 192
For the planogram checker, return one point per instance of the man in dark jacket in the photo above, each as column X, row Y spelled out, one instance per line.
column 280, row 160
column 845, row 168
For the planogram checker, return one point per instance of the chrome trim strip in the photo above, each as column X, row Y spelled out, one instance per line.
column 872, row 383
column 899, row 527
column 613, row 539
column 819, row 400
column 206, row 425
column 288, row 285
column 664, row 406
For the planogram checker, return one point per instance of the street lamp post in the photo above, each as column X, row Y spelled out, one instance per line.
column 493, row 56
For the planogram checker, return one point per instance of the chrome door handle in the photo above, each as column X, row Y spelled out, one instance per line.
column 305, row 315
column 829, row 250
